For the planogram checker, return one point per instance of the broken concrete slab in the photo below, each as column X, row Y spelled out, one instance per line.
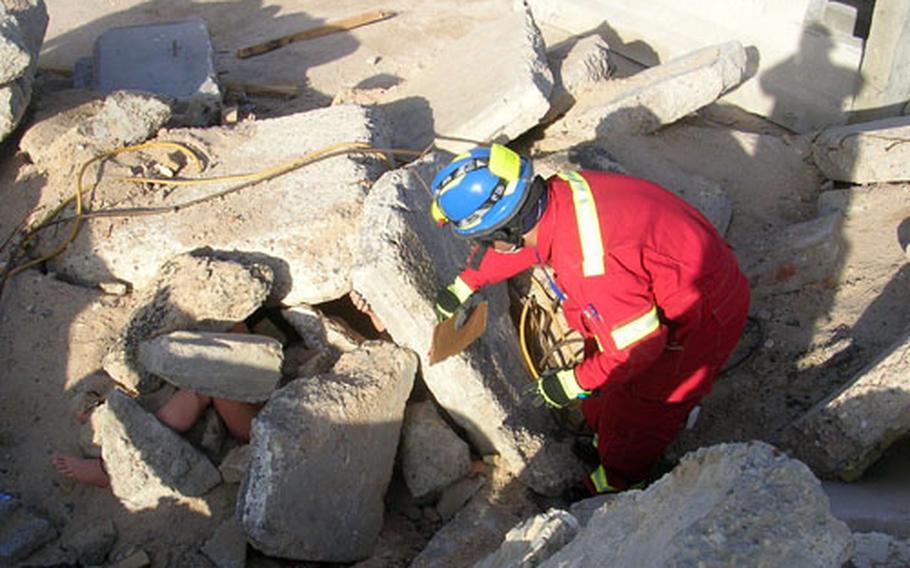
column 146, row 460
column 320, row 332
column 726, row 505
column 865, row 153
column 456, row 495
column 287, row 221
column 847, row 432
column 501, row 99
column 534, row 540
column 651, row 98
column 227, row 546
column 234, row 465
column 201, row 290
column 125, row 118
column 234, row 366
column 171, row 59
column 322, row 454
column 432, row 455
column 578, row 66
column 404, row 257
column 22, row 27
column 22, row 532
column 802, row 254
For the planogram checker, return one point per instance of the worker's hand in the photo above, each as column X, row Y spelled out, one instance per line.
column 559, row 387
column 449, row 298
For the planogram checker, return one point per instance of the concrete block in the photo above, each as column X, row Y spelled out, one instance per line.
column 457, row 495
column 578, row 67
column 198, row 290
column 802, row 254
column 847, row 432
column 404, row 258
column 869, row 152
column 146, row 460
column 125, row 118
column 225, row 365
column 878, row 550
column 171, row 59
column 15, row 57
column 227, row 546
column 322, row 453
column 885, row 69
column 302, row 224
column 432, row 455
column 318, row 331
column 21, row 531
column 534, row 540
column 726, row 505
column 651, row 98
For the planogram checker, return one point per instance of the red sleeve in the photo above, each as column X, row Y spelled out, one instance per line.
column 624, row 319
column 498, row 266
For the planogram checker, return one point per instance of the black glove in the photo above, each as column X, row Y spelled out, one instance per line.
column 558, row 387
column 451, row 297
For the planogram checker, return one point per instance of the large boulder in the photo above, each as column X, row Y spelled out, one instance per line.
column 321, row 457
column 404, row 257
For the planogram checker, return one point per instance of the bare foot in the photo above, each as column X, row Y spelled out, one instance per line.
column 81, row 470
column 361, row 304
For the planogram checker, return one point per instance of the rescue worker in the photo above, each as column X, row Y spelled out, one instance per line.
column 642, row 275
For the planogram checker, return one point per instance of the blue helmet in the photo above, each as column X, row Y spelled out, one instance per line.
column 482, row 192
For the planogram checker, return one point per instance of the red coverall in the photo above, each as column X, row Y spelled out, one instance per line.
column 664, row 302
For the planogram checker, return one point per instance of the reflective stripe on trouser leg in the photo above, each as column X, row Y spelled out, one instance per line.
column 599, row 479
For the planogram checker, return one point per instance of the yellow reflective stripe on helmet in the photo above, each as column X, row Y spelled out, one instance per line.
column 599, row 479
column 636, row 330
column 592, row 247
column 504, row 163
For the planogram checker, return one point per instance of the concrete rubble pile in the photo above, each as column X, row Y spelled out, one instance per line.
column 339, row 411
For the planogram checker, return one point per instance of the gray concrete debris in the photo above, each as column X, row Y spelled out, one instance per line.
column 404, row 257
column 287, row 222
column 865, row 153
column 137, row 559
column 91, row 545
column 432, row 455
column 202, row 290
column 651, row 98
column 476, row 531
column 172, row 59
column 800, row 255
column 125, row 118
column 534, row 540
column 22, row 27
column 877, row 550
column 583, row 510
column 234, row 366
column 578, row 66
column 146, row 460
column 726, row 505
column 504, row 97
column 208, row 434
column 234, row 465
column 320, row 332
column 21, row 531
column 227, row 546
column 847, row 432
column 322, row 454
column 457, row 494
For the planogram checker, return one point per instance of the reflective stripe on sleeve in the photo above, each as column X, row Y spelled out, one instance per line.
column 592, row 248
column 636, row 330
